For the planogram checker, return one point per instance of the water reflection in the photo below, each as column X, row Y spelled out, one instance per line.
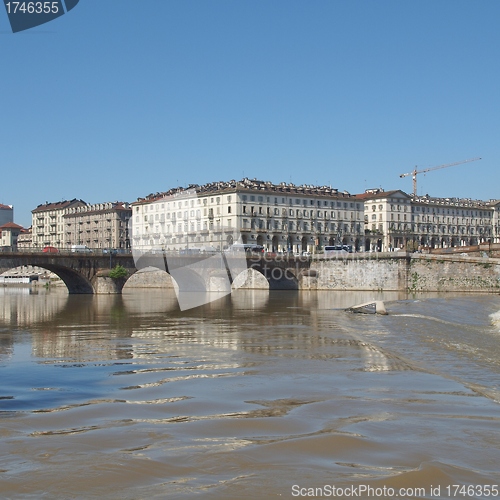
column 245, row 394
column 83, row 329
column 254, row 300
column 25, row 306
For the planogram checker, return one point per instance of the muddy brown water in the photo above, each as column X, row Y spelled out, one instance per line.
column 257, row 395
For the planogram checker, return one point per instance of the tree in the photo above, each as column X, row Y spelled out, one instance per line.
column 118, row 272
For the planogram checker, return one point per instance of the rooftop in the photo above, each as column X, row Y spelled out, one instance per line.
column 98, row 208
column 11, row 225
column 248, row 185
column 457, row 202
column 58, row 205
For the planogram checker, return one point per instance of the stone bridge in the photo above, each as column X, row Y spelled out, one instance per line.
column 89, row 273
column 81, row 272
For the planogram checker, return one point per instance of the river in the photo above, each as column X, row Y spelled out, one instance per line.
column 257, row 395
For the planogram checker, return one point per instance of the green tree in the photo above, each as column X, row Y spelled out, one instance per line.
column 118, row 272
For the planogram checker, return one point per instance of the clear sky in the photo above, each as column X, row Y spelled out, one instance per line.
column 121, row 98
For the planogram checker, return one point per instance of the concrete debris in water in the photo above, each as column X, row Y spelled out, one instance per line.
column 373, row 307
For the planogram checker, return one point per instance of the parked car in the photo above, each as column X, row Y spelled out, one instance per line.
column 80, row 248
column 50, row 250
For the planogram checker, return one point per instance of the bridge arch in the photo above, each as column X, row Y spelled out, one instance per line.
column 81, row 273
column 75, row 282
column 279, row 277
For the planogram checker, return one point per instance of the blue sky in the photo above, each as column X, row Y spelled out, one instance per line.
column 121, row 98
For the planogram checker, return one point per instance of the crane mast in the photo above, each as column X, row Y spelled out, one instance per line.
column 414, row 172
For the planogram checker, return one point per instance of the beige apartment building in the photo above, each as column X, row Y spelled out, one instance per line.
column 66, row 223
column 396, row 220
column 103, row 225
column 47, row 223
column 279, row 217
column 25, row 239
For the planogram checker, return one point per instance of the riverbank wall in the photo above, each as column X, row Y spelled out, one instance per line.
column 406, row 272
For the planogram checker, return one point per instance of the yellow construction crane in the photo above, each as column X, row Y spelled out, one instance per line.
column 415, row 171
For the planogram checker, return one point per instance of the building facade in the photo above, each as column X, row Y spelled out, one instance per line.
column 451, row 222
column 9, row 234
column 279, row 217
column 387, row 219
column 25, row 239
column 67, row 223
column 103, row 225
column 495, row 207
column 396, row 220
column 47, row 223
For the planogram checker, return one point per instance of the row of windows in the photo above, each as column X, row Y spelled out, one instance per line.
column 429, row 228
column 260, row 199
column 298, row 201
column 251, row 224
column 276, row 212
column 434, row 219
column 446, row 211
